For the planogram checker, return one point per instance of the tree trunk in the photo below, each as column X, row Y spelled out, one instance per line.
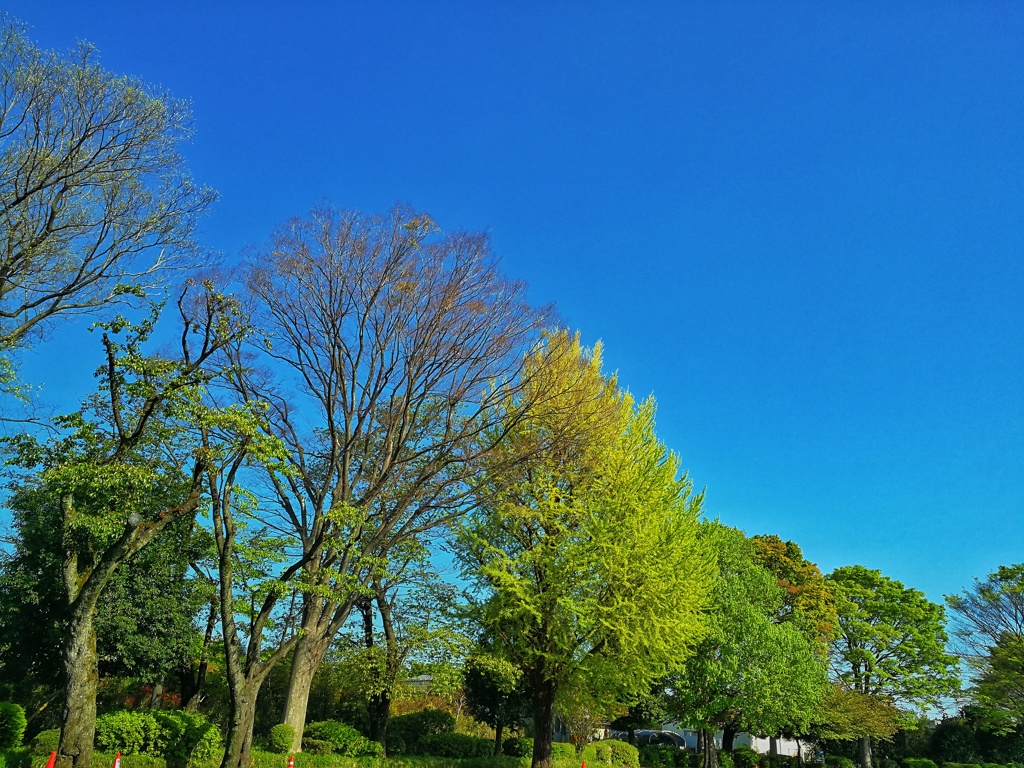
column 499, row 729
column 631, row 735
column 799, row 754
column 728, row 737
column 543, row 720
column 240, row 725
column 81, row 675
column 773, row 746
column 156, row 697
column 379, row 709
column 706, row 744
column 310, row 650
column 865, row 752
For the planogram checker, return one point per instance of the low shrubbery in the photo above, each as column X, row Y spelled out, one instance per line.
column 517, row 747
column 12, row 725
column 408, row 729
column 457, row 745
column 834, row 761
column 342, row 738
column 280, row 738
column 665, row 756
column 915, row 762
column 183, row 739
column 46, row 742
column 744, row 757
column 15, row 758
column 724, row 759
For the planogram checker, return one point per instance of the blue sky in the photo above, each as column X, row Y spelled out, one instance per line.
column 798, row 224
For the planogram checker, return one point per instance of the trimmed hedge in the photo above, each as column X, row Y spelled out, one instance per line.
column 409, row 728
column 46, row 742
column 130, row 733
column 518, row 747
column 16, row 758
column 914, row 762
column 663, row 756
column 344, row 739
column 12, row 725
column 187, row 739
column 744, row 757
column 280, row 738
column 561, row 750
column 725, row 759
column 457, row 745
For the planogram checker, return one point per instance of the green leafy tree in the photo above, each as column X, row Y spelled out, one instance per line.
column 845, row 715
column 496, row 693
column 891, row 643
column 988, row 630
column 108, row 471
column 96, row 204
column 753, row 671
column 594, row 577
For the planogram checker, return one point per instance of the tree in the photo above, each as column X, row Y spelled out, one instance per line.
column 988, row 622
column 392, row 342
column 591, row 573
column 96, row 204
column 752, row 671
column 845, row 715
column 120, row 473
column 496, row 693
column 891, row 644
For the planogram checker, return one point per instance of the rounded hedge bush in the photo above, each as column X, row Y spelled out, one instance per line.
column 280, row 738
column 517, row 747
column 455, row 745
column 344, row 739
column 46, row 742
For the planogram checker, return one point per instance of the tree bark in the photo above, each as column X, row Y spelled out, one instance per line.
column 706, row 742
column 499, row 729
column 243, row 716
column 773, row 746
column 81, row 668
column 379, row 707
column 728, row 737
column 310, row 650
column 865, row 751
column 543, row 720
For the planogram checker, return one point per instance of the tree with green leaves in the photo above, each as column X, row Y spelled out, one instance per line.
column 97, row 205
column 591, row 575
column 988, row 631
column 496, row 693
column 119, row 472
column 891, row 643
column 753, row 671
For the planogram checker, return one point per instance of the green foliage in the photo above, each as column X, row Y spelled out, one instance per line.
column 411, row 727
column 561, row 750
column 455, row 745
column 724, row 759
column 46, row 742
column 663, row 756
column 187, row 739
column 106, row 759
column 12, row 725
column 344, row 739
column 892, row 640
column 130, row 733
column 316, row 746
column 16, row 758
column 280, row 738
column 520, row 746
column 622, row 753
column 744, row 757
column 836, row 761
column 953, row 741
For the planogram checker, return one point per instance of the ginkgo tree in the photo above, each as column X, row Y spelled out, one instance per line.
column 590, row 572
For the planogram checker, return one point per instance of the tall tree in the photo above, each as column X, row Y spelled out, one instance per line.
column 988, row 621
column 121, row 472
column 97, row 205
column 590, row 563
column 392, row 342
column 891, row 643
column 753, row 671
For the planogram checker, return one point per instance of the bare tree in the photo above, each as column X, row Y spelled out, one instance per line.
column 95, row 204
column 397, row 343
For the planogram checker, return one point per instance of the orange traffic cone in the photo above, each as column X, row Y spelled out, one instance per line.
column 117, row 761
column 584, row 764
column 52, row 761
column 291, row 761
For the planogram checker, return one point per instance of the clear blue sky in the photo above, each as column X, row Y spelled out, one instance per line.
column 799, row 224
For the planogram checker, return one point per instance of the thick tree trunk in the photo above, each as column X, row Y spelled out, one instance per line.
column 543, row 721
column 499, row 729
column 379, row 708
column 239, row 736
column 631, row 735
column 81, row 675
column 706, row 744
column 310, row 650
column 865, row 752
column 728, row 737
column 773, row 746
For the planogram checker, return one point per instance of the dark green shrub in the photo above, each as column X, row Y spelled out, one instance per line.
column 416, row 724
column 344, row 739
column 396, row 744
column 623, row 753
column 888, row 762
column 663, row 756
column 725, row 759
column 835, row 761
column 456, row 745
column 16, row 758
column 106, row 759
column 983, row 765
column 12, row 725
column 520, row 747
column 916, row 762
column 46, row 742
column 744, row 757
column 316, row 746
column 130, row 733
column 187, row 739
column 280, row 738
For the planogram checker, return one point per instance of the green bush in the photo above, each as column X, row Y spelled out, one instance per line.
column 456, row 745
column 663, row 756
column 344, row 739
column 983, row 765
column 835, row 761
column 888, row 762
column 130, row 733
column 316, row 746
column 910, row 762
column 725, row 759
column 187, row 739
column 12, row 725
column 744, row 757
column 412, row 726
column 106, row 759
column 520, row 747
column 622, row 752
column 396, row 744
column 280, row 738
column 46, row 742
column 16, row 758
column 561, row 750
